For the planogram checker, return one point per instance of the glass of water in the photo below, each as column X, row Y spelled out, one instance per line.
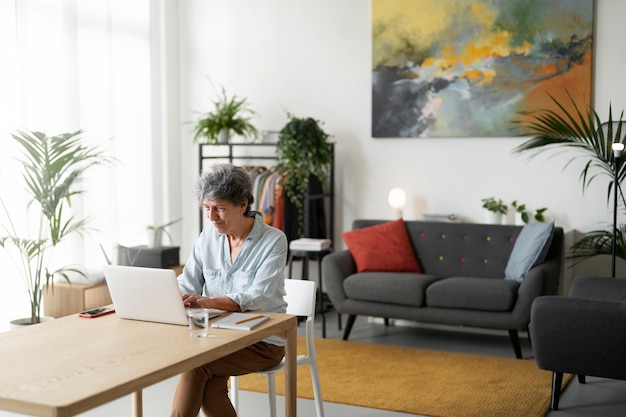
column 198, row 322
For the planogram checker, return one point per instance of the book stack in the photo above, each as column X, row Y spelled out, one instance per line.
column 310, row 244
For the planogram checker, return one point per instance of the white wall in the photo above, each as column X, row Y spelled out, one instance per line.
column 313, row 58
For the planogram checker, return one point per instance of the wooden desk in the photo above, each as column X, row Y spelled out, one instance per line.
column 69, row 365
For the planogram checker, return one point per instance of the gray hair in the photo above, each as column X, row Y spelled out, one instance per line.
column 226, row 182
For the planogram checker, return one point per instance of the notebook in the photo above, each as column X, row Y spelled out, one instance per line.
column 240, row 321
column 148, row 294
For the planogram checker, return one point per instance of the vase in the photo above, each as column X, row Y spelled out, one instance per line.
column 492, row 217
column 223, row 136
column 155, row 238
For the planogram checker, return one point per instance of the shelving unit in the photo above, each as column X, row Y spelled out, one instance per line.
column 242, row 153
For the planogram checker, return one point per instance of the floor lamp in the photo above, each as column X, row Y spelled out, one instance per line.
column 617, row 154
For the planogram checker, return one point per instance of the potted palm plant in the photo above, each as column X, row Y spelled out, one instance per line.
column 231, row 114
column 302, row 150
column 581, row 130
column 52, row 166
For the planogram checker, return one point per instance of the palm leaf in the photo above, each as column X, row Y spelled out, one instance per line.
column 52, row 166
column 581, row 131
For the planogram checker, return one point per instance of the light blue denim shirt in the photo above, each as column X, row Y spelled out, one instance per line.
column 255, row 280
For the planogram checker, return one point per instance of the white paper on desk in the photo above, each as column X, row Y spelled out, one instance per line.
column 230, row 321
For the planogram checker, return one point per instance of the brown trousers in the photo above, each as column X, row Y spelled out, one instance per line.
column 207, row 385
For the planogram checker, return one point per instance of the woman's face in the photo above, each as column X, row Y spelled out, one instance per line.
column 224, row 214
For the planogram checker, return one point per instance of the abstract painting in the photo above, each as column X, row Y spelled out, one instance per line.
column 466, row 68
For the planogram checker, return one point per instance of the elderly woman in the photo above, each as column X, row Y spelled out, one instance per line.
column 237, row 264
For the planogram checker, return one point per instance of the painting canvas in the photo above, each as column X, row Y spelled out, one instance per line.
column 466, row 68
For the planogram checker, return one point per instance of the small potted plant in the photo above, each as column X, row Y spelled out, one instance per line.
column 302, row 150
column 156, row 232
column 522, row 215
column 231, row 115
column 496, row 209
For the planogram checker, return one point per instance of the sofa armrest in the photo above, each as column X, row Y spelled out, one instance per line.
column 585, row 337
column 541, row 280
column 598, row 288
column 335, row 268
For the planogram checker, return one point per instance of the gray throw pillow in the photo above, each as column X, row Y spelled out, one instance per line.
column 529, row 249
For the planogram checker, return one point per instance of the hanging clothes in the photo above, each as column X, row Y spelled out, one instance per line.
column 273, row 202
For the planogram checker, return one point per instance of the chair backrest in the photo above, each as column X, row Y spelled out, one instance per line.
column 300, row 297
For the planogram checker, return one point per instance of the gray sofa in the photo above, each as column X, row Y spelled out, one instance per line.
column 462, row 280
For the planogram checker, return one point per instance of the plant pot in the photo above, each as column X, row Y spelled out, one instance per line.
column 155, row 238
column 492, row 217
column 25, row 322
column 223, row 136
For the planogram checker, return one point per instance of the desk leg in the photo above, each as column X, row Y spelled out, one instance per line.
column 290, row 371
column 138, row 404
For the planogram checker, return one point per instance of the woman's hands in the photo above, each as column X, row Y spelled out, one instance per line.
column 194, row 301
column 220, row 303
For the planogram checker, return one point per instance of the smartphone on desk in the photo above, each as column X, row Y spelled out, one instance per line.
column 96, row 312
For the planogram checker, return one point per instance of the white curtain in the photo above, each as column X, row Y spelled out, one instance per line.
column 86, row 64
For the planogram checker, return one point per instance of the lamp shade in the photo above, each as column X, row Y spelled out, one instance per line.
column 397, row 198
column 617, row 149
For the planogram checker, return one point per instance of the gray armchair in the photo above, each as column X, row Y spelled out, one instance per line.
column 583, row 334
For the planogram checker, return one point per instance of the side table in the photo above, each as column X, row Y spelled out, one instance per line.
column 319, row 255
column 68, row 298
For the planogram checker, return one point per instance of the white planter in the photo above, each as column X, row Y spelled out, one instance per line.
column 25, row 322
column 493, row 217
column 155, row 238
column 223, row 136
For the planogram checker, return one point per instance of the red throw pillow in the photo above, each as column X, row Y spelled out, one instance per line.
column 384, row 247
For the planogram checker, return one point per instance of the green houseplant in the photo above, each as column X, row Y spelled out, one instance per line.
column 496, row 209
column 580, row 130
column 525, row 214
column 51, row 167
column 231, row 114
column 302, row 150
column 495, row 206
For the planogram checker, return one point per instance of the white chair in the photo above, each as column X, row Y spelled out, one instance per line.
column 300, row 302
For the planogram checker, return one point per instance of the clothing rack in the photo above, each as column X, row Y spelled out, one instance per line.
column 241, row 153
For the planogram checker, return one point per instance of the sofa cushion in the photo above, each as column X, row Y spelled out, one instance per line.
column 384, row 247
column 388, row 287
column 530, row 249
column 486, row 294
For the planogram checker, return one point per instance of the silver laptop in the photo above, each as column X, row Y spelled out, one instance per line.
column 148, row 294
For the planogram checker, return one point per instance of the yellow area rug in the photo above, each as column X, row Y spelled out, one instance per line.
column 427, row 382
